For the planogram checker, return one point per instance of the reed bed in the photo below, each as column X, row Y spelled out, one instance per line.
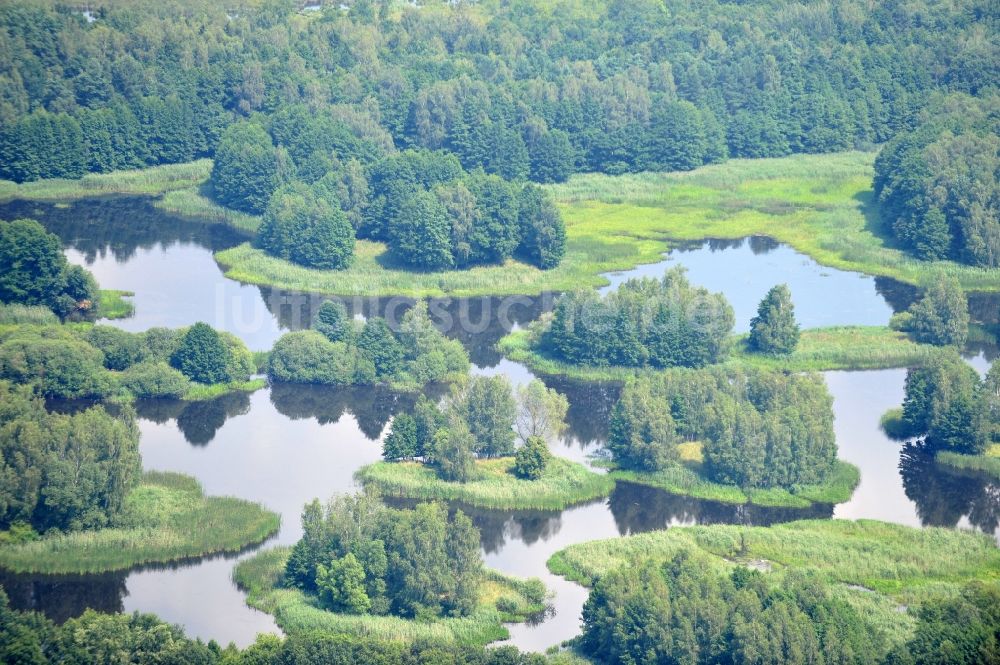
column 685, row 479
column 819, row 349
column 193, row 203
column 115, row 304
column 879, row 568
column 988, row 462
column 166, row 518
column 295, row 612
column 564, row 483
column 200, row 392
column 14, row 314
column 152, row 181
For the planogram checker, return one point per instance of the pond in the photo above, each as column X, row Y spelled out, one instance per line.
column 285, row 445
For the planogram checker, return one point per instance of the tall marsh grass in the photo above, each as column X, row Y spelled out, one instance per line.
column 166, row 518
column 819, row 349
column 14, row 314
column 151, row 181
column 988, row 462
column 877, row 567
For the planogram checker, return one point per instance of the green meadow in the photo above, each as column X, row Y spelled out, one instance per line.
column 262, row 577
column 563, row 484
column 166, row 518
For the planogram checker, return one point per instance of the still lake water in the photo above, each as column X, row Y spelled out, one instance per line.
column 288, row 444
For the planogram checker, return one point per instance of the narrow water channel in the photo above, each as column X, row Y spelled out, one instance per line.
column 285, row 445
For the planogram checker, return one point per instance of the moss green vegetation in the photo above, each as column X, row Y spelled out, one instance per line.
column 878, row 568
column 200, row 392
column 501, row 599
column 892, row 425
column 166, row 518
column 988, row 462
column 818, row 204
column 562, row 484
column 819, row 349
column 114, row 304
column 151, row 181
column 685, row 477
column 194, row 203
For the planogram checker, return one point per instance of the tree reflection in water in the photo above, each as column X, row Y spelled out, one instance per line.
column 944, row 496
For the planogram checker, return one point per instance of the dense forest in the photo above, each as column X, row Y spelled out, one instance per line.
column 683, row 612
column 103, row 361
column 483, row 417
column 758, row 428
column 939, row 183
column 518, row 89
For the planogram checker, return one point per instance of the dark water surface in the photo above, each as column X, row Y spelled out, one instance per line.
column 288, row 444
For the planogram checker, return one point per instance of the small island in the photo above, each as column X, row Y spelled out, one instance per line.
column 165, row 518
column 76, row 500
column 953, row 413
column 486, row 446
column 362, row 568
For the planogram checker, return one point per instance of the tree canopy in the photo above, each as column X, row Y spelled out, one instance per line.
column 774, row 329
column 645, row 322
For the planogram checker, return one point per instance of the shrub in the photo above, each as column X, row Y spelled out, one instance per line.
column 531, row 459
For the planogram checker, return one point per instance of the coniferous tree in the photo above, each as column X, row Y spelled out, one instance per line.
column 774, row 329
column 333, row 321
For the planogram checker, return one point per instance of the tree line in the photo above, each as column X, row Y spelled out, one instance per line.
column 938, row 182
column 29, row 638
column 645, row 322
column 319, row 186
column 102, row 361
column 758, row 428
column 483, row 417
column 341, row 351
column 34, row 271
column 515, row 89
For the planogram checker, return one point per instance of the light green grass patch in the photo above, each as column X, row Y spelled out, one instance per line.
column 199, row 392
column 151, row 181
column 166, row 518
column 115, row 304
column 818, row 204
column 295, row 612
column 564, row 483
column 988, row 462
column 877, row 567
column 685, row 478
column 819, row 349
column 193, row 203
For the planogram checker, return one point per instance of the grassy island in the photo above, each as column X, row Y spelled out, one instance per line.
column 685, row 478
column 881, row 569
column 819, row 349
column 562, row 484
column 500, row 599
column 166, row 518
